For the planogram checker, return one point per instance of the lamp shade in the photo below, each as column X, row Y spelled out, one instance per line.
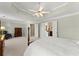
column 2, row 28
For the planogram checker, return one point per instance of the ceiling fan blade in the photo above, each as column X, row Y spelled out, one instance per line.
column 36, row 14
column 44, row 12
column 41, row 14
column 32, row 10
column 40, row 9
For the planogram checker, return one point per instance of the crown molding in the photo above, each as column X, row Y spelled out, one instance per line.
column 20, row 9
column 62, row 5
column 26, row 11
column 58, row 17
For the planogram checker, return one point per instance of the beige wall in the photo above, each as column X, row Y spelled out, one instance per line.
column 68, row 27
column 10, row 25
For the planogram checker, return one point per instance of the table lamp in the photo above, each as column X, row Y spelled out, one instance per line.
column 2, row 34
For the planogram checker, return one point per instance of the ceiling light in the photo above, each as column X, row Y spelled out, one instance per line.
column 40, row 12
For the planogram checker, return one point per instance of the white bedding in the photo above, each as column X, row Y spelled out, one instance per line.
column 53, row 46
column 15, row 46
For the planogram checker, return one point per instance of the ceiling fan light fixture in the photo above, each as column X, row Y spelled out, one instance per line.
column 44, row 12
column 40, row 12
column 36, row 14
column 41, row 8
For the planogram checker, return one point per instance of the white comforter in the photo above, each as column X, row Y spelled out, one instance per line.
column 52, row 46
column 15, row 46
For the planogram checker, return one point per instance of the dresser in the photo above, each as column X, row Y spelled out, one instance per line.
column 1, row 47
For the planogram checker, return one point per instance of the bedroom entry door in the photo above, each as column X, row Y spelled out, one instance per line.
column 18, row 32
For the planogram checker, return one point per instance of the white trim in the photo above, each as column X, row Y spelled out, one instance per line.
column 62, row 5
column 21, row 9
column 59, row 17
column 17, row 7
column 71, row 14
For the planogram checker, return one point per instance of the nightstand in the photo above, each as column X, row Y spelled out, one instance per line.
column 1, row 47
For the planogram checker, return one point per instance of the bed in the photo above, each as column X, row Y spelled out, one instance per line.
column 53, row 47
column 15, row 46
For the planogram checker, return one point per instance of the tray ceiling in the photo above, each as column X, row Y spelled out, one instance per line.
column 20, row 10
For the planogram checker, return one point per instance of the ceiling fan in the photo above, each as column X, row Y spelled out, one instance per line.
column 40, row 12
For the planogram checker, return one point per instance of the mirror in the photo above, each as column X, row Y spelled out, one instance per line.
column 49, row 29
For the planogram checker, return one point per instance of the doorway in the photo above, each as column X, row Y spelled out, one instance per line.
column 18, row 32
